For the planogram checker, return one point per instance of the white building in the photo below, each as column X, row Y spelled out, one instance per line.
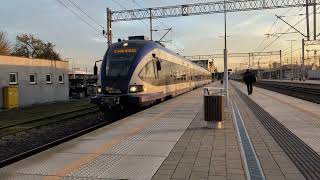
column 38, row 80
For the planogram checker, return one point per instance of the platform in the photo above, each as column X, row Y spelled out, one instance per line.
column 171, row 141
column 299, row 116
column 284, row 131
column 166, row 141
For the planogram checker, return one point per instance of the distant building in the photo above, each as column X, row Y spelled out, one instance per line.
column 314, row 74
column 76, row 73
column 38, row 80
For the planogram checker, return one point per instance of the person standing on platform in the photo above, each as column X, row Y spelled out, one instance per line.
column 249, row 78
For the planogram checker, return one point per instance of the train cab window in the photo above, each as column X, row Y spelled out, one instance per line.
column 13, row 77
column 48, row 78
column 120, row 58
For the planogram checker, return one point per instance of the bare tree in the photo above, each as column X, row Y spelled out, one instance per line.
column 29, row 46
column 4, row 44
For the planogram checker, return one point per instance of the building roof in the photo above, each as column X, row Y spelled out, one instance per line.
column 29, row 62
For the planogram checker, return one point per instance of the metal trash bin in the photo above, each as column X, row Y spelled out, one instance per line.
column 213, row 104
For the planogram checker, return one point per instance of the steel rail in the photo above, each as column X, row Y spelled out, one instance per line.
column 305, row 93
column 46, row 146
column 42, row 121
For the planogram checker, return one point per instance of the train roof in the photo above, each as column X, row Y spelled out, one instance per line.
column 153, row 44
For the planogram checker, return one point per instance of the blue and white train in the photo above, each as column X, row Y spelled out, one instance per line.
column 137, row 73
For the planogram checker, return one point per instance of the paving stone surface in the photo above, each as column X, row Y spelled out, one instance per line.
column 274, row 161
column 205, row 154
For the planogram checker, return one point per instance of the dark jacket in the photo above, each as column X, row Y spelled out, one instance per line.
column 249, row 78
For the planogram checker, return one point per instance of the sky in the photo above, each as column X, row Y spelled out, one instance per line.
column 82, row 44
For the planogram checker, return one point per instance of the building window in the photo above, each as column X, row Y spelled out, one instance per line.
column 33, row 79
column 48, row 78
column 61, row 79
column 13, row 78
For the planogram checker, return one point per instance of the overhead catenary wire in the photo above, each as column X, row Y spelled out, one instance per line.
column 270, row 29
column 127, row 9
column 81, row 18
column 292, row 51
column 268, row 45
column 272, row 26
column 85, row 13
column 156, row 19
column 265, row 40
column 166, row 26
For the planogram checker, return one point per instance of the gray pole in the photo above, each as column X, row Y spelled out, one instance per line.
column 314, row 20
column 307, row 19
column 226, row 86
column 109, row 28
column 270, row 69
column 259, row 69
column 291, row 63
column 280, row 65
column 150, row 11
column 314, row 59
column 291, row 59
column 249, row 61
column 302, row 60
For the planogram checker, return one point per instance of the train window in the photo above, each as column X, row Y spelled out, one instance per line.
column 32, row 78
column 118, row 68
column 48, row 78
column 148, row 73
column 166, row 74
column 120, row 58
column 13, row 77
column 61, row 79
column 170, row 73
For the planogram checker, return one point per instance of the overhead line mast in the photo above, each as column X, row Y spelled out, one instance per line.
column 198, row 9
column 204, row 8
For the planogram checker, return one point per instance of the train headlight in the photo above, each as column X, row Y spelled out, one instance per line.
column 133, row 89
column 99, row 90
column 136, row 88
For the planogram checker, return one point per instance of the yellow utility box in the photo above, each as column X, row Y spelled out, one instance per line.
column 10, row 97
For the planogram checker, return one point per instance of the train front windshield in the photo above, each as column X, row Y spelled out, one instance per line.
column 120, row 59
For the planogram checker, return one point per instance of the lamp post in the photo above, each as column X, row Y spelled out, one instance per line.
column 225, row 55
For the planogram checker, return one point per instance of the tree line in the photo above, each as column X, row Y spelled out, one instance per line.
column 27, row 45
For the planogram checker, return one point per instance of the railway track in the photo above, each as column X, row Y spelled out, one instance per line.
column 22, row 140
column 308, row 93
column 25, row 139
column 36, row 123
